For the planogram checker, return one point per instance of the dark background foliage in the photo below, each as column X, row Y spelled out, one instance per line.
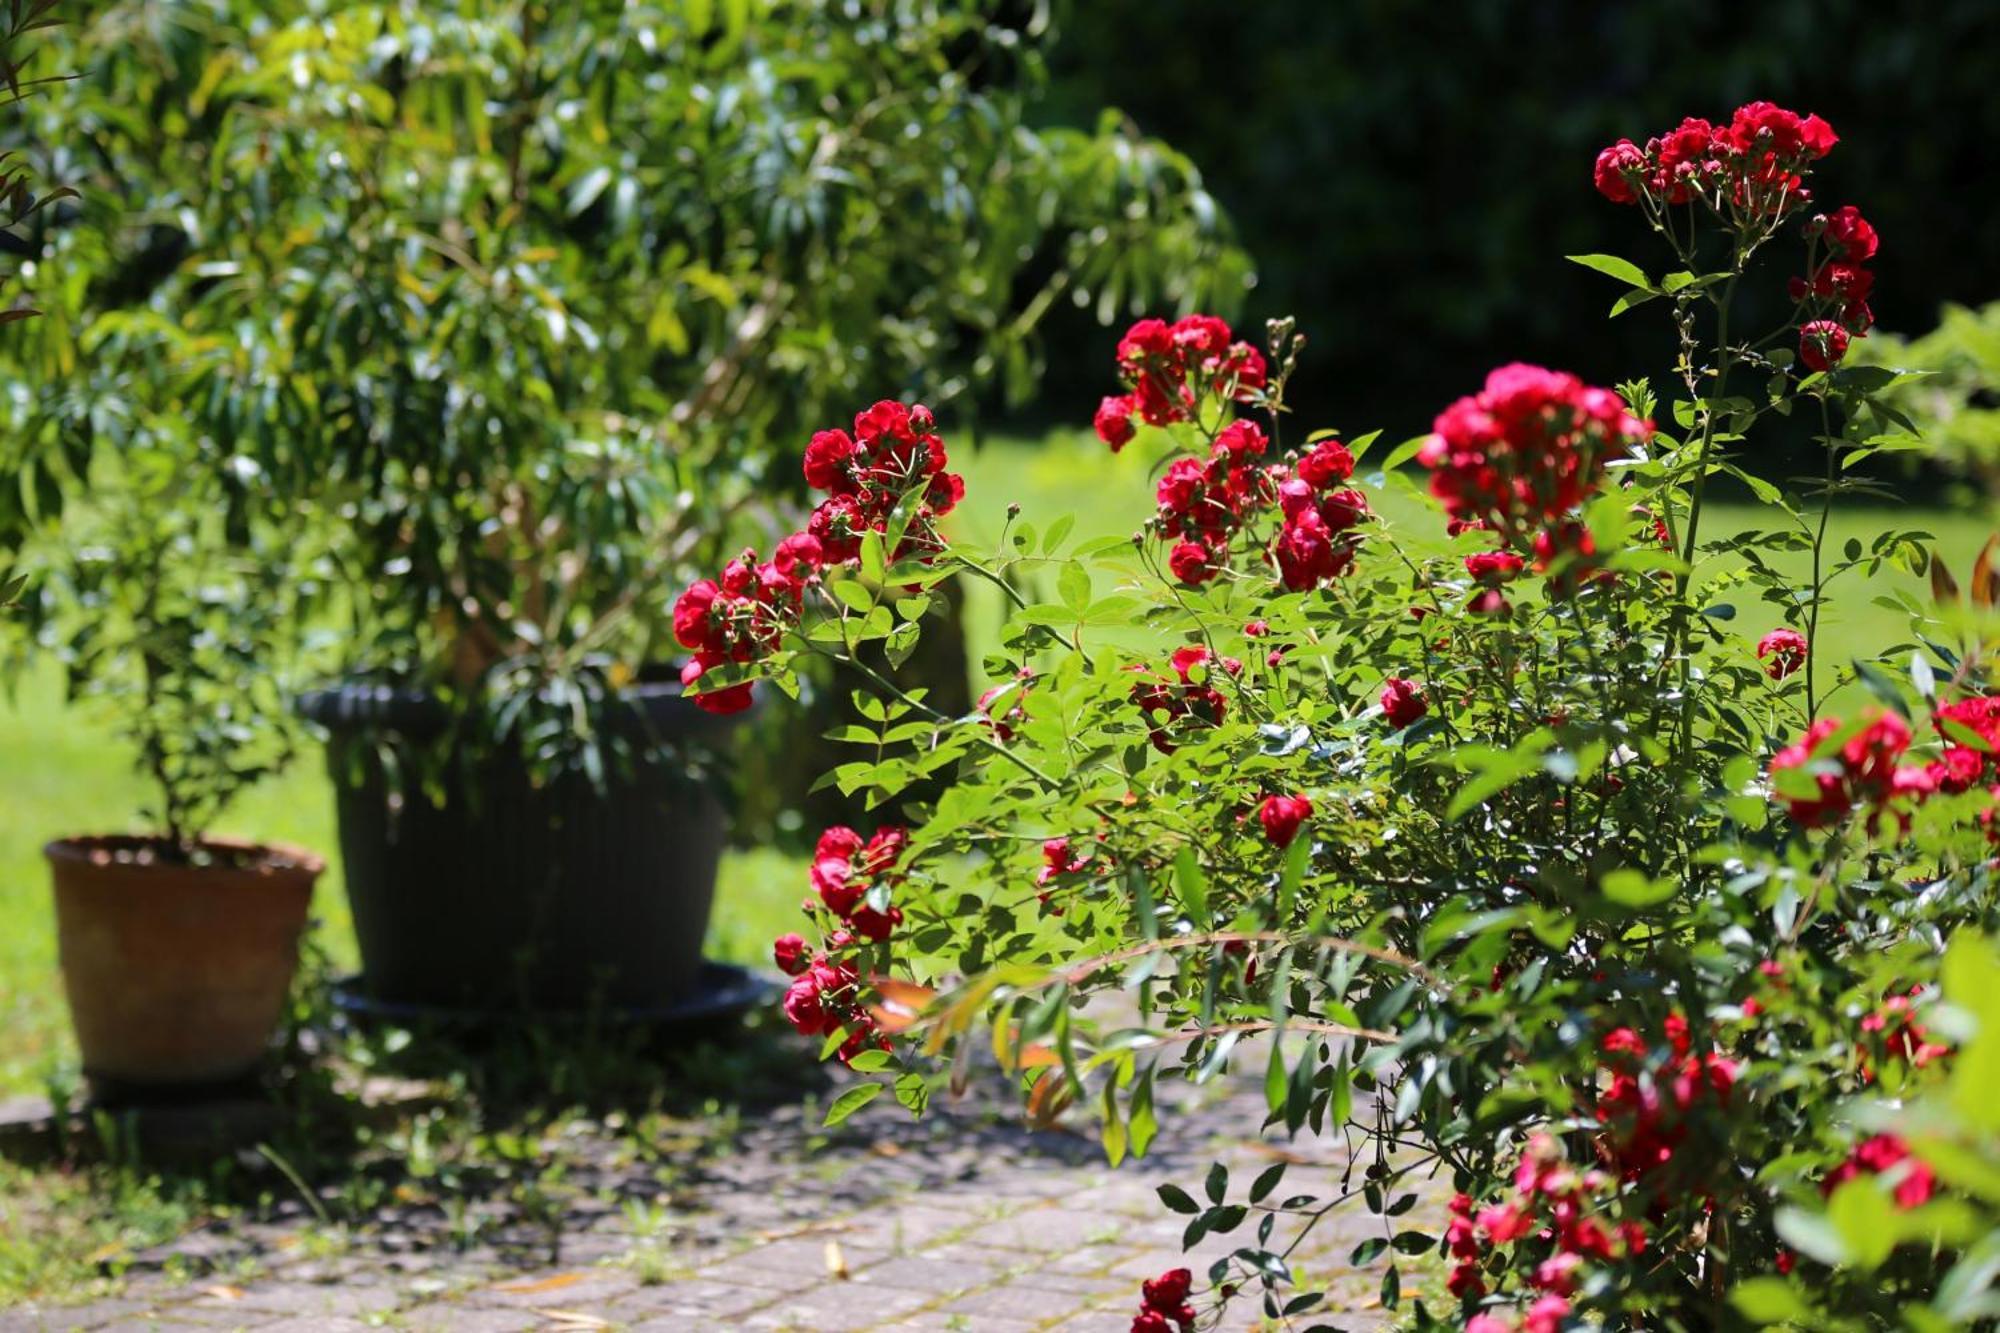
column 1407, row 176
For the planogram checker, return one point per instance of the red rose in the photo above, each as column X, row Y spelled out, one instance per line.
column 1343, row 509
column 734, row 699
column 1168, row 1291
column 1753, row 120
column 1281, row 817
column 1880, row 1155
column 886, row 422
column 1817, row 136
column 1147, row 338
column 1114, row 421
column 1822, row 344
column 1191, row 563
column 875, row 925
column 692, row 627
column 803, row 1007
column 1199, row 337
column 1240, row 440
column 1782, row 651
column 1617, row 168
column 829, row 459
column 1403, row 702
column 789, row 952
column 1849, row 235
column 1328, row 463
column 1493, row 566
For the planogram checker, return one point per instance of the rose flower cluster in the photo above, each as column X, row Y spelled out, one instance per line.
column 742, row 615
column 1168, row 370
column 1648, row 1113
column 1518, row 457
column 1863, row 771
column 1172, row 702
column 824, row 996
column 1204, row 503
column 1751, row 169
column 1552, row 1228
column 1833, row 296
column 1163, row 1303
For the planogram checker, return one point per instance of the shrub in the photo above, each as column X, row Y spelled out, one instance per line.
column 1958, row 396
column 1489, row 837
column 508, row 307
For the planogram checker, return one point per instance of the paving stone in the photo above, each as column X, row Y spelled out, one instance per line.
column 934, row 1276
column 1026, row 1300
column 1047, row 1230
column 692, row 1296
column 566, row 1290
column 307, row 1298
column 841, row 1308
column 462, row 1319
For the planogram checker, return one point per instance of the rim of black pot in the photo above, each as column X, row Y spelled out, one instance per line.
column 365, row 703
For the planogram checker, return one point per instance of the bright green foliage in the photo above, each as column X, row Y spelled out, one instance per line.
column 1958, row 399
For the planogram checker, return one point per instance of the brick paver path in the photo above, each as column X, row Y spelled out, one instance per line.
column 961, row 1221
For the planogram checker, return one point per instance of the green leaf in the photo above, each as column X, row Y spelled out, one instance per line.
column 1192, row 885
column 1403, row 453
column 1611, row 266
column 853, row 595
column 1216, row 1183
column 1769, row 1300
column 1635, row 297
column 1177, row 1199
column 1632, row 888
column 1266, row 1181
column 847, row 1103
column 1812, row 1235
column 1073, row 584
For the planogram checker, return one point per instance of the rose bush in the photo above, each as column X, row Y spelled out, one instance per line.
column 1662, row 949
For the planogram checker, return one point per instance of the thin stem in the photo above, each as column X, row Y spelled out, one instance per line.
column 987, row 742
column 1819, row 546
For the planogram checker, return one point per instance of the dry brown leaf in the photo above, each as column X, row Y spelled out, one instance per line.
column 574, row 1319
column 224, row 1292
column 1984, row 580
column 836, row 1262
column 1039, row 1057
column 1051, row 1094
column 886, row 1148
column 556, row 1283
column 902, row 1002
column 1944, row 588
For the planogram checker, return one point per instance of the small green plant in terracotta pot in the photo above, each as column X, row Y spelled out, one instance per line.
column 177, row 947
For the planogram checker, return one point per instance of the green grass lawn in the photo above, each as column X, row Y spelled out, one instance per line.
column 66, row 772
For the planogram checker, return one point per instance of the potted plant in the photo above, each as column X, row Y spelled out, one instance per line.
column 177, row 946
column 513, row 313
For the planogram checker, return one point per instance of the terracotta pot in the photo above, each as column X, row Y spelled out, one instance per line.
column 177, row 973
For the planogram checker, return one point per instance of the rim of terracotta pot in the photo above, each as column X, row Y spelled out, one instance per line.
column 238, row 856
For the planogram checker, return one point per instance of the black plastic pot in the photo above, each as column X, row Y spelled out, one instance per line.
column 514, row 897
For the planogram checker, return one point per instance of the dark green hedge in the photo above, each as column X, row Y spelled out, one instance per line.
column 1409, row 175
